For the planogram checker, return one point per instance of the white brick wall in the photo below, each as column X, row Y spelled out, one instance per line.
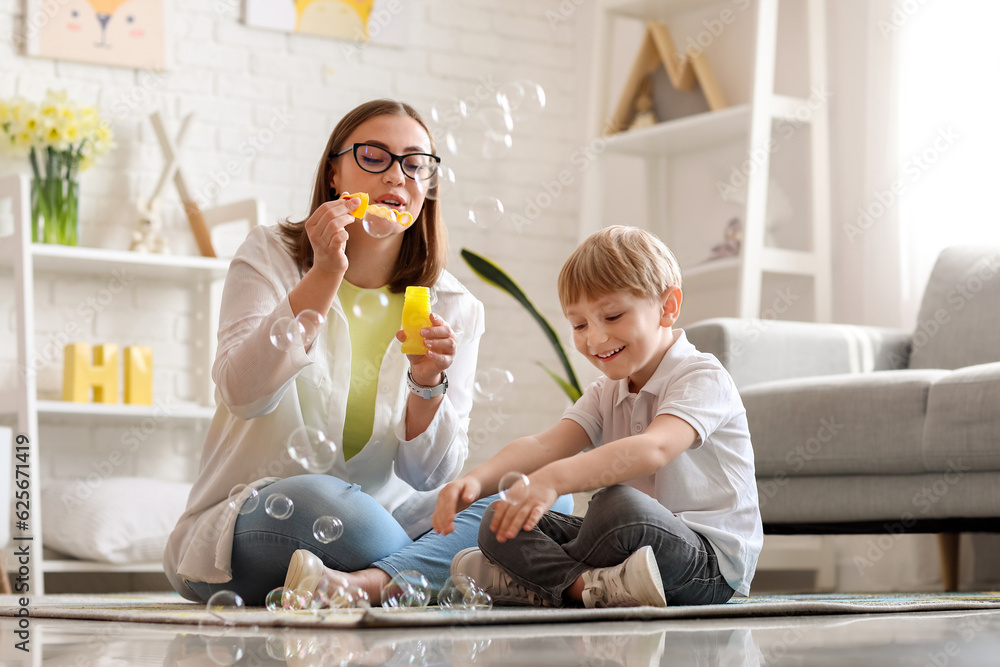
column 236, row 79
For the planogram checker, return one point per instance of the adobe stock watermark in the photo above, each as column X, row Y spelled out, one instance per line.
column 712, row 29
column 378, row 20
column 901, row 14
column 912, row 169
column 248, row 150
column 797, row 458
column 924, row 500
column 968, row 628
column 783, row 131
column 86, row 311
column 34, row 22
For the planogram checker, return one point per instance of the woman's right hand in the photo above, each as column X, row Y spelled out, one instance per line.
column 453, row 498
column 325, row 229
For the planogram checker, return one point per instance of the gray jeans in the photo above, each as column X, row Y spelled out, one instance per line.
column 620, row 520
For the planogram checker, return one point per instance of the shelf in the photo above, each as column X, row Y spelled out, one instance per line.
column 702, row 130
column 74, row 259
column 721, row 272
column 121, row 412
column 70, row 565
column 659, row 9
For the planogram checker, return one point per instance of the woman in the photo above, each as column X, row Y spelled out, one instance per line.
column 401, row 420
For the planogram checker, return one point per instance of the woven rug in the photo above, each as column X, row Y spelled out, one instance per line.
column 171, row 608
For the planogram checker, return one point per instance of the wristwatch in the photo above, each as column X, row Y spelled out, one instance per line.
column 427, row 392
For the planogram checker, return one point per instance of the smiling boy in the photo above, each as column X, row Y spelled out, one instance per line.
column 663, row 435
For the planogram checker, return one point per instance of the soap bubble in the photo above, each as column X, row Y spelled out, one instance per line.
column 370, row 304
column 513, row 488
column 312, row 449
column 350, row 597
column 282, row 334
column 279, row 506
column 480, row 600
column 224, row 601
column 486, row 212
column 249, row 505
column 495, row 126
column 305, row 327
column 378, row 226
column 449, row 111
column 492, row 384
column 326, row 591
column 438, row 186
column 407, row 590
column 296, row 600
column 522, row 99
column 456, row 592
column 225, row 650
column 273, row 600
column 326, row 529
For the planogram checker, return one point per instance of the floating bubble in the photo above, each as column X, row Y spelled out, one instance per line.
column 379, row 227
column 282, row 335
column 370, row 304
column 486, row 212
column 495, row 145
column 296, row 600
column 305, row 327
column 350, row 597
column 407, row 590
column 273, row 600
column 279, row 506
column 326, row 529
column 480, row 600
column 449, row 111
column 440, row 185
column 522, row 99
column 456, row 592
column 513, row 488
column 312, row 449
column 326, row 591
column 224, row 601
column 492, row 384
column 248, row 505
column 494, row 126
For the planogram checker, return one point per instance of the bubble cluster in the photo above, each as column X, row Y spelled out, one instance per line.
column 407, row 590
column 513, row 487
column 326, row 529
column 492, row 384
column 311, row 449
column 461, row 593
column 301, row 330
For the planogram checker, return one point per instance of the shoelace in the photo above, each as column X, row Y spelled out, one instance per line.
column 508, row 588
column 607, row 587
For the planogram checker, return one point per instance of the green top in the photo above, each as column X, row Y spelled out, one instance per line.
column 373, row 317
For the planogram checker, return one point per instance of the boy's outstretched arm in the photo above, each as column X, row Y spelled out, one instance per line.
column 615, row 462
column 524, row 455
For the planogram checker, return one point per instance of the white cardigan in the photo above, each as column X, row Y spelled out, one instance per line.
column 264, row 394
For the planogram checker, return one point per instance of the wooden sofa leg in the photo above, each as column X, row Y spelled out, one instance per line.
column 948, row 548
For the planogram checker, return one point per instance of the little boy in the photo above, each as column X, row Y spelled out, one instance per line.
column 676, row 520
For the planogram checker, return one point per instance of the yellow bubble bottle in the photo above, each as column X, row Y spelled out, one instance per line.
column 416, row 316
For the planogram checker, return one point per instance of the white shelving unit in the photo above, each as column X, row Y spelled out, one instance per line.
column 750, row 123
column 204, row 276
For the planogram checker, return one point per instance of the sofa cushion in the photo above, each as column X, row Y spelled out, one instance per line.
column 963, row 420
column 869, row 423
column 959, row 320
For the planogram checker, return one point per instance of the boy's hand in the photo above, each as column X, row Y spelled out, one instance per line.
column 453, row 498
column 509, row 520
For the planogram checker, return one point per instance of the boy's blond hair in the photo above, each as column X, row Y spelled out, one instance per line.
column 618, row 259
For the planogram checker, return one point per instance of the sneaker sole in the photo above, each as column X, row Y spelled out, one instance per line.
column 654, row 573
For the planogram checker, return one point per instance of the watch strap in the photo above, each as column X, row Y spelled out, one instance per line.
column 427, row 392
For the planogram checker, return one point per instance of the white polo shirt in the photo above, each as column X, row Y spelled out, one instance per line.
column 711, row 487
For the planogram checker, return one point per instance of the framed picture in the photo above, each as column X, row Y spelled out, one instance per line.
column 379, row 21
column 123, row 33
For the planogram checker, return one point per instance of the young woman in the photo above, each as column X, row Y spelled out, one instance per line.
column 401, row 421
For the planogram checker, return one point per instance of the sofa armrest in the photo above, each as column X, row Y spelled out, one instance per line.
column 762, row 350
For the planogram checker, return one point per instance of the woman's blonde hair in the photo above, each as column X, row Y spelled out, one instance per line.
column 618, row 259
column 424, row 250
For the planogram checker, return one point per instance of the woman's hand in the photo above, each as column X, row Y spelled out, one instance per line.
column 441, row 344
column 325, row 229
column 534, row 500
column 452, row 499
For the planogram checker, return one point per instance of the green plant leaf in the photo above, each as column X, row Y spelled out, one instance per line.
column 572, row 392
column 494, row 275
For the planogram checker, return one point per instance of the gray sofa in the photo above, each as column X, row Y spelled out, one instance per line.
column 869, row 430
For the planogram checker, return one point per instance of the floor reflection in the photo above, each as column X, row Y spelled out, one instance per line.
column 967, row 638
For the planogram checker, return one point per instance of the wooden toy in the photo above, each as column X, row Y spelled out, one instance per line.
column 87, row 367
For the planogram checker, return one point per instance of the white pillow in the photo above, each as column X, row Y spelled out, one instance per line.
column 122, row 520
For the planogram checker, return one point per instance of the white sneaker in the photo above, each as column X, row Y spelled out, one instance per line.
column 305, row 569
column 505, row 591
column 634, row 583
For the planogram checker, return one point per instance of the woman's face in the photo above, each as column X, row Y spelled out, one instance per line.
column 399, row 135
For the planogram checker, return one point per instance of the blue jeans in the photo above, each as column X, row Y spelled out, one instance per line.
column 620, row 520
column 263, row 546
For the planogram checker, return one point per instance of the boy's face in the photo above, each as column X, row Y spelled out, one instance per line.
column 624, row 335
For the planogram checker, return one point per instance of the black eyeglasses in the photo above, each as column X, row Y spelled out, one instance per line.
column 375, row 160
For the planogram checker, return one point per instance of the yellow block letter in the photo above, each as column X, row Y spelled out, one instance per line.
column 83, row 369
column 139, row 375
